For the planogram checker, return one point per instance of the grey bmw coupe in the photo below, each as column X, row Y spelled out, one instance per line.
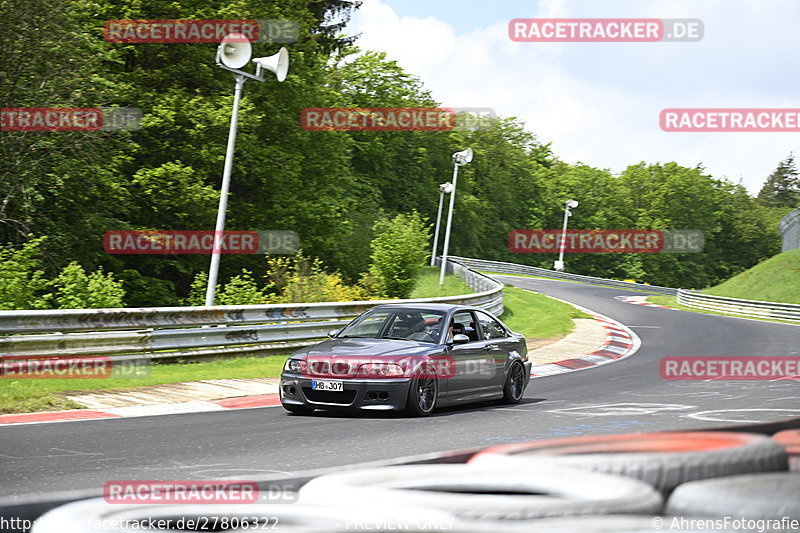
column 409, row 357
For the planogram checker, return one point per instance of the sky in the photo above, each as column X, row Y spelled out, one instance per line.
column 599, row 103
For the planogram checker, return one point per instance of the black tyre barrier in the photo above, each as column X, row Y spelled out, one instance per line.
column 790, row 440
column 475, row 493
column 772, row 496
column 664, row 460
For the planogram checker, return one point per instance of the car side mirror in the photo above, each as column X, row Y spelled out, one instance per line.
column 460, row 338
column 332, row 333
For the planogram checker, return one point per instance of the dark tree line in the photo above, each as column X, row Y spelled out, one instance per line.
column 330, row 187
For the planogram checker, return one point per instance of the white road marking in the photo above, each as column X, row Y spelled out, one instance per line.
column 711, row 416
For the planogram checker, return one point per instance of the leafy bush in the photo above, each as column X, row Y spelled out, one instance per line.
column 21, row 282
column 302, row 279
column 197, row 290
column 74, row 289
column 241, row 290
column 399, row 250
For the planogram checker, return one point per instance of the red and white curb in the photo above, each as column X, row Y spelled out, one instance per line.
column 639, row 300
column 245, row 402
column 620, row 343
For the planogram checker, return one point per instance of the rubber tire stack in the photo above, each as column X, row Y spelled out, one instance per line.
column 663, row 460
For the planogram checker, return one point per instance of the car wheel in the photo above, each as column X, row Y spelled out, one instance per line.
column 515, row 384
column 422, row 393
column 298, row 409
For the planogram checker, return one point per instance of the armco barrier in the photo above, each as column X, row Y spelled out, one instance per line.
column 738, row 306
column 512, row 268
column 699, row 300
column 789, row 227
column 172, row 333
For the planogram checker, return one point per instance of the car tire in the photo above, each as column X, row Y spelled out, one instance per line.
column 664, row 460
column 298, row 409
column 514, row 387
column 750, row 497
column 476, row 493
column 423, row 392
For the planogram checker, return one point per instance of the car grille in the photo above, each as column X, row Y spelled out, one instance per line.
column 324, row 368
column 325, row 396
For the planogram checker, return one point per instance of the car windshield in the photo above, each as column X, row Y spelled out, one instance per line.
column 406, row 324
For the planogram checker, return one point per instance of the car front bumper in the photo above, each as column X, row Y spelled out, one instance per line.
column 364, row 394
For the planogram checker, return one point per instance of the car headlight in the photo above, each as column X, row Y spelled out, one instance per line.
column 295, row 366
column 380, row 370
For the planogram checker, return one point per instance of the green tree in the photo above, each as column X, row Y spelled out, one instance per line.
column 241, row 290
column 22, row 282
column 399, row 250
column 197, row 290
column 782, row 187
column 74, row 289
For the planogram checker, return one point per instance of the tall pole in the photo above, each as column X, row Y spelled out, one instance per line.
column 563, row 236
column 449, row 222
column 213, row 270
column 567, row 213
column 438, row 223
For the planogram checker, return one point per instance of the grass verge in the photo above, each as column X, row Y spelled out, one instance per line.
column 775, row 280
column 30, row 395
column 536, row 316
column 428, row 284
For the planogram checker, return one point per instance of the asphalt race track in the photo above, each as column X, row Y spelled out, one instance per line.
column 622, row 397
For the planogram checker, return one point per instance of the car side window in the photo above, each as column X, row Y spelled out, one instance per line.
column 491, row 328
column 463, row 323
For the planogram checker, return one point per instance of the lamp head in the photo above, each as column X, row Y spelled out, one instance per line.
column 446, row 188
column 572, row 203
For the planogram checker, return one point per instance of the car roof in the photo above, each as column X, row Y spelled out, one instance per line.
column 426, row 307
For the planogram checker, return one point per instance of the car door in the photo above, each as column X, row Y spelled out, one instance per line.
column 496, row 344
column 474, row 368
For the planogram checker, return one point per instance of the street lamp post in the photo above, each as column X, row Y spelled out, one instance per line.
column 444, row 188
column 459, row 159
column 559, row 265
column 234, row 53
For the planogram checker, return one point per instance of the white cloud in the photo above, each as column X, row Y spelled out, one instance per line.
column 599, row 102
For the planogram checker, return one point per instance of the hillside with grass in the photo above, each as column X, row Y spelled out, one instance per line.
column 776, row 280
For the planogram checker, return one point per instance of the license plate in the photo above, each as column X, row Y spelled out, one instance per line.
column 333, row 386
